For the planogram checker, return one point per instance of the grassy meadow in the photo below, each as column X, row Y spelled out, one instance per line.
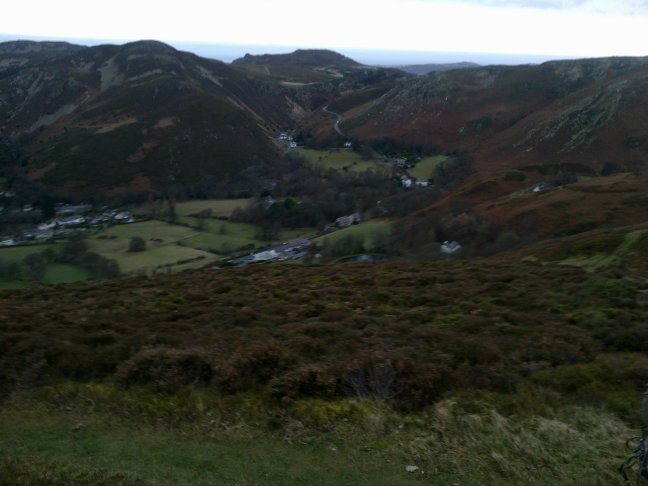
column 426, row 167
column 371, row 232
column 163, row 248
column 64, row 273
column 54, row 273
column 16, row 253
column 190, row 242
column 341, row 159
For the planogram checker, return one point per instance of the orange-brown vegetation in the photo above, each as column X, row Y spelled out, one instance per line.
column 402, row 332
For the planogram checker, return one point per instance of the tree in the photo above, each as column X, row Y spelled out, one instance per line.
column 137, row 243
column 47, row 206
column 36, row 266
column 74, row 247
column 201, row 218
column 9, row 270
column 267, row 232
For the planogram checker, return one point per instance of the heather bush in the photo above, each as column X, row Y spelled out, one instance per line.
column 166, row 369
column 306, row 381
column 254, row 364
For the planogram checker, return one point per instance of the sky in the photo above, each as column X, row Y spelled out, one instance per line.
column 391, row 31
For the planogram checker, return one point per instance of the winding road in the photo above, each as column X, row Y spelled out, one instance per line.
column 338, row 117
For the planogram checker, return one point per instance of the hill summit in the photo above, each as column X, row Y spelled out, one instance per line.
column 303, row 57
column 138, row 116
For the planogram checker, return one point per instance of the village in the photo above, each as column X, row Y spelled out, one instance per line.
column 69, row 218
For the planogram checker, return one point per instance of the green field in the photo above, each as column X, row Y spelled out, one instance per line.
column 425, row 168
column 369, row 230
column 223, row 244
column 168, row 233
column 171, row 457
column 17, row 253
column 341, row 159
column 55, row 273
column 162, row 250
column 167, row 244
column 221, row 236
column 220, row 208
column 226, row 236
column 14, row 284
column 63, row 273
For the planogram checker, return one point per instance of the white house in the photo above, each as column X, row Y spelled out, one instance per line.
column 264, row 256
column 47, row 226
column 450, row 247
column 346, row 221
column 76, row 220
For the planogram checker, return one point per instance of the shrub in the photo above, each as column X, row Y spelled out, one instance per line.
column 136, row 244
column 401, row 380
column 257, row 363
column 306, row 381
column 166, row 369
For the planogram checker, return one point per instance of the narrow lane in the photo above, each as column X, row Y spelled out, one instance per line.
column 338, row 119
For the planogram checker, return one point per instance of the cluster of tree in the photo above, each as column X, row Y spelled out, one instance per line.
column 353, row 245
column 76, row 251
column 477, row 236
column 394, row 147
column 9, row 154
column 305, row 195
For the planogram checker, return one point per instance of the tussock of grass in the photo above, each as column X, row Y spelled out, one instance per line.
column 578, row 446
column 463, row 440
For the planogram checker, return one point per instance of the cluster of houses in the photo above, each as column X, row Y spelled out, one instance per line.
column 69, row 219
column 287, row 139
column 404, row 178
column 450, row 247
column 346, row 221
column 290, row 250
column 407, row 182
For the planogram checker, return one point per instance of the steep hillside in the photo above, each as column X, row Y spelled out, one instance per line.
column 137, row 116
column 18, row 55
column 586, row 112
column 553, row 150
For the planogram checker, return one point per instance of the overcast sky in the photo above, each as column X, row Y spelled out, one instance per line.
column 543, row 28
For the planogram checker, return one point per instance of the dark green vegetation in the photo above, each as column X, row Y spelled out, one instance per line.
column 501, row 364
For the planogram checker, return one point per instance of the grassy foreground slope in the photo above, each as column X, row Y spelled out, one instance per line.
column 502, row 372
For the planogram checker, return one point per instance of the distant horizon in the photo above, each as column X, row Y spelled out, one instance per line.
column 372, row 57
column 419, row 31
